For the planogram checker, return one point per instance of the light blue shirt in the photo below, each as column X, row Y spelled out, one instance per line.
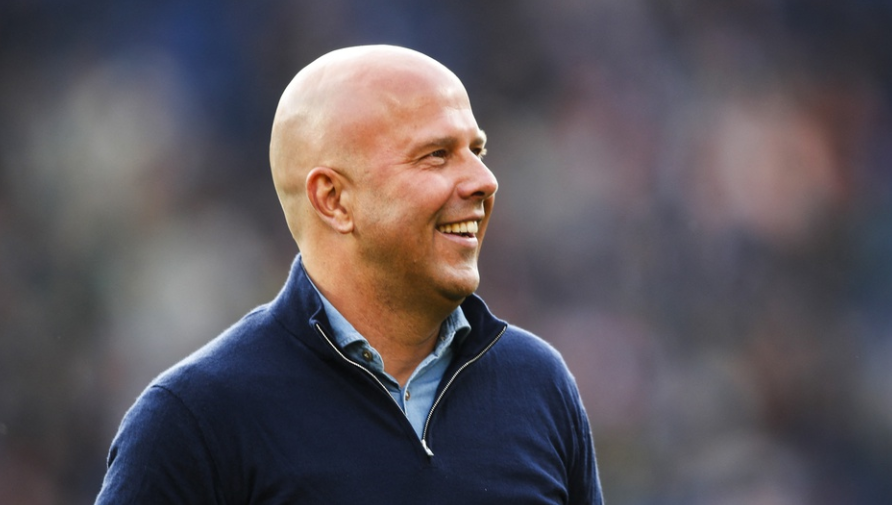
column 416, row 397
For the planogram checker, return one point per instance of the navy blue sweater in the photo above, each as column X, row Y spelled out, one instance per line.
column 271, row 412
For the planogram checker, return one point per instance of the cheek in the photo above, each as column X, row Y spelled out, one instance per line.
column 430, row 194
column 386, row 222
column 407, row 202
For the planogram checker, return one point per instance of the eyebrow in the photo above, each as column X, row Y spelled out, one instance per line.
column 451, row 141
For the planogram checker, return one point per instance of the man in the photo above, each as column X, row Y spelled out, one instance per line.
column 376, row 375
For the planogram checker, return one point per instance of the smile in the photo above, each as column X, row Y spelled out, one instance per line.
column 467, row 228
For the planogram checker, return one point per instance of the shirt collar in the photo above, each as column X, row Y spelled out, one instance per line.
column 455, row 327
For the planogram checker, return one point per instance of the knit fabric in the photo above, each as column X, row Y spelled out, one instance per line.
column 272, row 412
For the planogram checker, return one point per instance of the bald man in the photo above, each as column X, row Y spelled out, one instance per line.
column 376, row 375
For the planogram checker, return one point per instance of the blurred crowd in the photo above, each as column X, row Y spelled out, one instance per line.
column 695, row 209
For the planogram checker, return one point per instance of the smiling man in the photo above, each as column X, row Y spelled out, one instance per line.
column 376, row 375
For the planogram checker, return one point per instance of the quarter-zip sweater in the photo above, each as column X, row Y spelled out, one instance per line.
column 421, row 386
column 273, row 412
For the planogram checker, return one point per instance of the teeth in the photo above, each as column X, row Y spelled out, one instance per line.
column 464, row 227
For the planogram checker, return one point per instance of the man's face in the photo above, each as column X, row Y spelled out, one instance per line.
column 423, row 196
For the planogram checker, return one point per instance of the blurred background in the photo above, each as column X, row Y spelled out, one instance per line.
column 695, row 208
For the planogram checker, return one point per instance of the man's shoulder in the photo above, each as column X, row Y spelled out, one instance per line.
column 523, row 340
column 230, row 358
column 531, row 351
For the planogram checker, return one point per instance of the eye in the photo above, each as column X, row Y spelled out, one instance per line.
column 480, row 152
column 439, row 153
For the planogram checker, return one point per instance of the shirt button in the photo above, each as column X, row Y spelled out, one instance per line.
column 366, row 355
column 407, row 395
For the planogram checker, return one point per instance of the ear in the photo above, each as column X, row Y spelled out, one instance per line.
column 328, row 194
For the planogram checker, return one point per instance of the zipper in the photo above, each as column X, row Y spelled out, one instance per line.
column 357, row 365
column 430, row 414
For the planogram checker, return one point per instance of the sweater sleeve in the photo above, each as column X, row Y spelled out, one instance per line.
column 585, row 483
column 159, row 456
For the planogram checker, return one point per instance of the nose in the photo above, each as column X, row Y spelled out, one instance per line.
column 480, row 182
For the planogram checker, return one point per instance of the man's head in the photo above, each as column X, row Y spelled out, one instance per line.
column 376, row 158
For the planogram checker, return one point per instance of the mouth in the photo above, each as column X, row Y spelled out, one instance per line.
column 463, row 228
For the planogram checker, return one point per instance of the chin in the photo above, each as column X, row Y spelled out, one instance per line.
column 461, row 288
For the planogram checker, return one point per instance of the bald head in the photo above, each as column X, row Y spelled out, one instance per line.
column 332, row 111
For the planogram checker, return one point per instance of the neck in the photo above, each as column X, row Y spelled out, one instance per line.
column 403, row 333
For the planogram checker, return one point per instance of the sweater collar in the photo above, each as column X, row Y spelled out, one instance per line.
column 299, row 309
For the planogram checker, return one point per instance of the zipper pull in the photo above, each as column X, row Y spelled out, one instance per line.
column 429, row 452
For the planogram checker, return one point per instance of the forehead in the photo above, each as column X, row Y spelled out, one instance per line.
column 443, row 108
column 413, row 109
